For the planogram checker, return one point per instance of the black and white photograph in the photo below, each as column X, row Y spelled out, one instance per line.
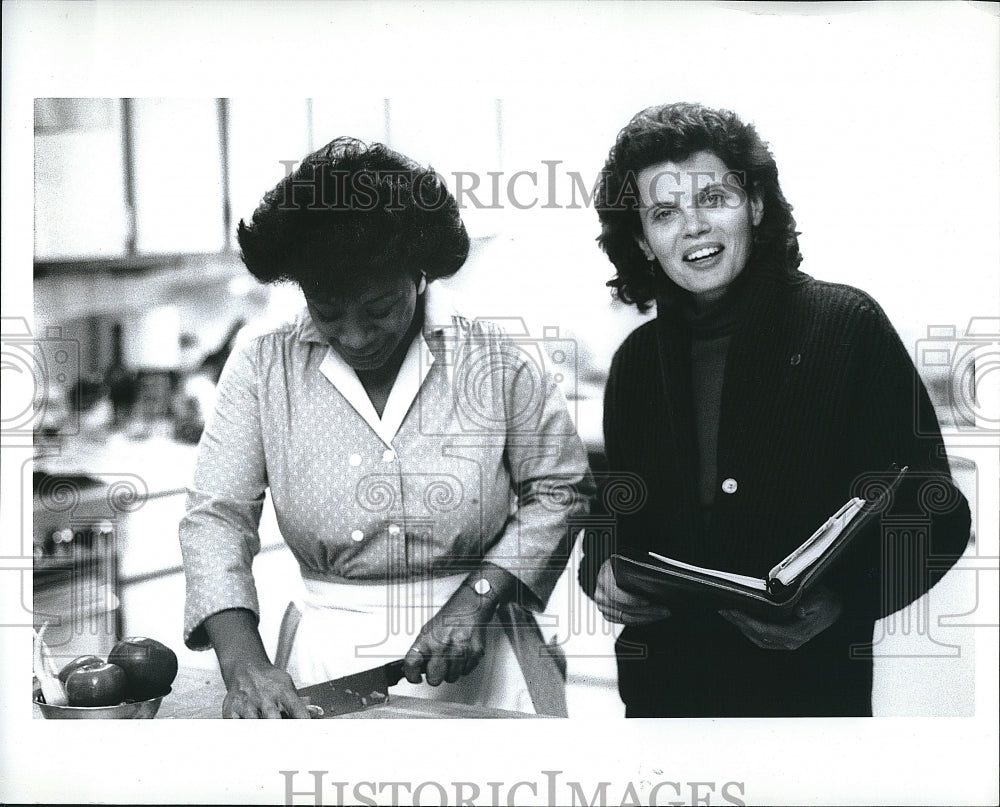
column 581, row 403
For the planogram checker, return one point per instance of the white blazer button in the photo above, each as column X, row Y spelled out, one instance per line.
column 355, row 460
column 389, row 455
column 393, row 529
column 357, row 535
column 729, row 485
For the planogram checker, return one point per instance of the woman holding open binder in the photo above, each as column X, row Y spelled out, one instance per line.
column 755, row 404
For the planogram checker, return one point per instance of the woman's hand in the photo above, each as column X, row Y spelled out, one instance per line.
column 453, row 642
column 260, row 690
column 255, row 687
column 816, row 611
column 622, row 606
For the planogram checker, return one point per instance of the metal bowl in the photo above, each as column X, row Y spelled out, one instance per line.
column 137, row 710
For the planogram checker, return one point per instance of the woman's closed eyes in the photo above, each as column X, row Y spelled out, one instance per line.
column 382, row 311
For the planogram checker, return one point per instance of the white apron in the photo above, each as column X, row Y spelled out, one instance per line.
column 347, row 628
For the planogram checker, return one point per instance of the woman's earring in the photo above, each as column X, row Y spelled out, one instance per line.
column 422, row 284
column 651, row 267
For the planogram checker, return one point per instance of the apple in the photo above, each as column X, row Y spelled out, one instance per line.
column 150, row 666
column 76, row 664
column 97, row 685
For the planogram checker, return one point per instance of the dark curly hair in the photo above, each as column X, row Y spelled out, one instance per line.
column 352, row 212
column 672, row 132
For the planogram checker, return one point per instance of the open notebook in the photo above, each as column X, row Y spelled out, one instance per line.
column 668, row 580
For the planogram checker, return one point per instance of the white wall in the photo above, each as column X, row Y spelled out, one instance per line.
column 885, row 140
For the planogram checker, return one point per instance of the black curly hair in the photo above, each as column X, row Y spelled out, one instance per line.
column 672, row 132
column 350, row 213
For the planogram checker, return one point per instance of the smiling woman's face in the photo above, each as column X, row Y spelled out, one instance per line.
column 697, row 221
column 367, row 327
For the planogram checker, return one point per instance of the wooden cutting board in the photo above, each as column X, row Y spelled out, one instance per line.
column 198, row 694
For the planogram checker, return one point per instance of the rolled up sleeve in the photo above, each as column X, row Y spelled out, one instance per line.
column 550, row 477
column 219, row 531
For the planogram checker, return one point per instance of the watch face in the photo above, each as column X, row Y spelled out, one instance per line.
column 482, row 586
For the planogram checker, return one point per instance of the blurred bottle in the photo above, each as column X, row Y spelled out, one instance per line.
column 121, row 382
column 52, row 411
column 95, row 409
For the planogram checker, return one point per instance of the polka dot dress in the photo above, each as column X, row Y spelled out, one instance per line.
column 475, row 457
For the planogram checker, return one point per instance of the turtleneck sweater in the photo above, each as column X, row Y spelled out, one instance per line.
column 817, row 399
column 711, row 327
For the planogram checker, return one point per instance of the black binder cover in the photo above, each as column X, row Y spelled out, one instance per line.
column 671, row 585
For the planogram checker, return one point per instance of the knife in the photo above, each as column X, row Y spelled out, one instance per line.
column 352, row 693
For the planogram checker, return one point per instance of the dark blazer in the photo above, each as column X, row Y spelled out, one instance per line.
column 819, row 399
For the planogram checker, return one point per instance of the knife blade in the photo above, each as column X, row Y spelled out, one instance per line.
column 352, row 693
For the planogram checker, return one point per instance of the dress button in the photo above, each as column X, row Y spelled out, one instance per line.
column 357, row 535
column 389, row 455
column 393, row 529
column 355, row 460
column 795, row 359
column 729, row 485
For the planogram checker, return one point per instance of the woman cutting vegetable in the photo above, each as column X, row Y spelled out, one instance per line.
column 423, row 469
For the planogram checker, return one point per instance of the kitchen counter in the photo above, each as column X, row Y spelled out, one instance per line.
column 132, row 488
column 198, row 694
column 156, row 465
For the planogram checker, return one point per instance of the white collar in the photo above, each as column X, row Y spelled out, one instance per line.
column 439, row 328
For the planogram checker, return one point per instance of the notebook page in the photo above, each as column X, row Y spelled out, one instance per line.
column 740, row 579
column 817, row 544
